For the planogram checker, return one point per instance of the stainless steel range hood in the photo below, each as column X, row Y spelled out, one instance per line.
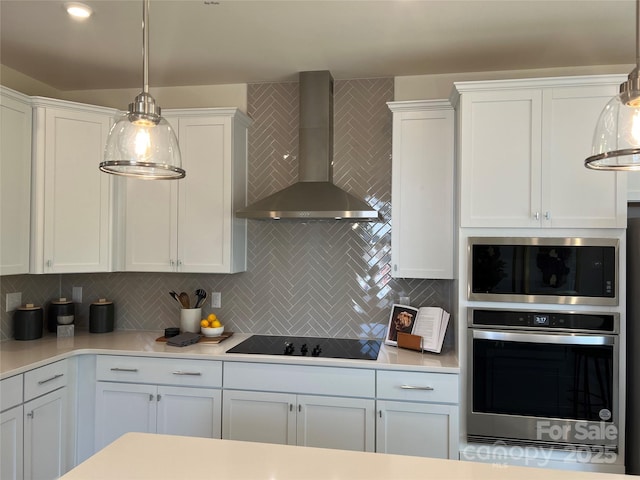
column 314, row 196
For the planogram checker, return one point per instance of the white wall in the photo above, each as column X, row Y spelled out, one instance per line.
column 412, row 87
column 431, row 87
column 232, row 95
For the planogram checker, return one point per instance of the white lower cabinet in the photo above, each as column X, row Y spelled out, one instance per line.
column 325, row 407
column 306, row 420
column 123, row 407
column 417, row 414
column 420, row 429
column 156, row 395
column 34, row 424
column 11, row 440
column 45, row 436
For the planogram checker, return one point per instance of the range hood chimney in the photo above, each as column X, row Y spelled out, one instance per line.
column 314, row 196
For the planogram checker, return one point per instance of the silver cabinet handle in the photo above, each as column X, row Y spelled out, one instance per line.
column 536, row 216
column 178, row 372
column 415, row 387
column 51, row 378
column 118, row 369
column 151, row 397
column 291, row 407
column 30, row 414
column 547, row 215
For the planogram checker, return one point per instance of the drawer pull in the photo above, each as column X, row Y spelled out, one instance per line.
column 58, row 375
column 414, row 387
column 118, row 369
column 178, row 372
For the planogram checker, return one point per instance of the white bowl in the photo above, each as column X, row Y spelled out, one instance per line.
column 65, row 319
column 212, row 332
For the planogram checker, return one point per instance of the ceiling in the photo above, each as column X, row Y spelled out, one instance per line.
column 207, row 42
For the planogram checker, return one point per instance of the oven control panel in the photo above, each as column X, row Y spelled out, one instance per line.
column 593, row 322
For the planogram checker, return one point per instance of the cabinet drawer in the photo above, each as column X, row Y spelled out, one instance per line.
column 345, row 382
column 45, row 379
column 10, row 392
column 165, row 371
column 418, row 386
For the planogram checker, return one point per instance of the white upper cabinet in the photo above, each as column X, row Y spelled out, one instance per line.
column 422, row 190
column 633, row 193
column 15, row 181
column 189, row 225
column 521, row 149
column 71, row 227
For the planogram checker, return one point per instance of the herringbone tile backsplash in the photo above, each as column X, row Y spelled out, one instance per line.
column 316, row 278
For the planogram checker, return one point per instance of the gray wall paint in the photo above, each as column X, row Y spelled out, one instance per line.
column 316, row 278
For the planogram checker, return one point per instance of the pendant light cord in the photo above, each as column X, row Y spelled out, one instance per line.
column 145, row 45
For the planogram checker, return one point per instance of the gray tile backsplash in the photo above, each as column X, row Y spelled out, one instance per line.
column 316, row 278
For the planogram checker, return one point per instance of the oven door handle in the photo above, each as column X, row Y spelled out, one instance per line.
column 564, row 339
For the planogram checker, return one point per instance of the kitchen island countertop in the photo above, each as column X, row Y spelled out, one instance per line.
column 143, row 456
column 19, row 356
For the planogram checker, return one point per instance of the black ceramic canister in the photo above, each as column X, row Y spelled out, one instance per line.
column 61, row 312
column 28, row 322
column 101, row 316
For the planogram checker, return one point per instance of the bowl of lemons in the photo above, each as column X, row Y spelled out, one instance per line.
column 211, row 326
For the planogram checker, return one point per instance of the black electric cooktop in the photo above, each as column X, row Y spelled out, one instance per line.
column 309, row 347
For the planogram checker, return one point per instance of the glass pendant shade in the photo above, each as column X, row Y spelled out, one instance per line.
column 141, row 148
column 616, row 140
column 141, row 143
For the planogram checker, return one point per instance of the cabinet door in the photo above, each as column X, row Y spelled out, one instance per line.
column 259, row 417
column 15, row 183
column 633, row 186
column 77, row 212
column 192, row 412
column 204, row 216
column 419, row 429
column 122, row 408
column 45, row 436
column 11, row 435
column 574, row 196
column 422, row 190
column 151, row 225
column 500, row 152
column 335, row 422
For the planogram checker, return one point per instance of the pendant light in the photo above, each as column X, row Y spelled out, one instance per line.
column 616, row 140
column 141, row 143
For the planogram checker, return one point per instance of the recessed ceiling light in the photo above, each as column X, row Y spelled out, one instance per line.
column 79, row 11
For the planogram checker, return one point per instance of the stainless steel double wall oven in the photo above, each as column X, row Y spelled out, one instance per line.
column 543, row 376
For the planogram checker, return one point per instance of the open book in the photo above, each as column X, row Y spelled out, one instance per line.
column 430, row 323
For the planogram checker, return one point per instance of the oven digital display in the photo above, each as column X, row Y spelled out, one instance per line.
column 540, row 320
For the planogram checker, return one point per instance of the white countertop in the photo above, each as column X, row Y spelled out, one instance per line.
column 19, row 356
column 143, row 456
